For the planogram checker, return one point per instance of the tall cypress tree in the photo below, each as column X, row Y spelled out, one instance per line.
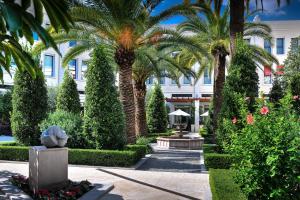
column 104, row 122
column 156, row 111
column 68, row 97
column 29, row 102
column 276, row 92
column 242, row 81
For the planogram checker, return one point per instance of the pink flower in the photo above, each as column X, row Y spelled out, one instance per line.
column 264, row 110
column 70, row 193
column 234, row 120
column 296, row 97
column 250, row 119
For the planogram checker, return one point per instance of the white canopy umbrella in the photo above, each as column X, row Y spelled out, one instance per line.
column 180, row 113
column 204, row 114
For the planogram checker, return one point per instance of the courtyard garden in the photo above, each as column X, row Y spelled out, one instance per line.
column 252, row 140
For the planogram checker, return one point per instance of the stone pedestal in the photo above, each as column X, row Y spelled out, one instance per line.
column 48, row 167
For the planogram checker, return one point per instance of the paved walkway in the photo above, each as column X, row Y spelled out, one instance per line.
column 165, row 176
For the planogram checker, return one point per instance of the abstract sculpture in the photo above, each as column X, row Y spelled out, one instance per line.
column 54, row 136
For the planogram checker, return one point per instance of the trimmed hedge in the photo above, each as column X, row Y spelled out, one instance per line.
column 8, row 144
column 210, row 148
column 218, row 161
column 223, row 186
column 125, row 158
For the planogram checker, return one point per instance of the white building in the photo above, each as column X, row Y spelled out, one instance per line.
column 191, row 97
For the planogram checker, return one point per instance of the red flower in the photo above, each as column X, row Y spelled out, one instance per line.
column 250, row 119
column 264, row 110
column 296, row 97
column 234, row 120
column 70, row 193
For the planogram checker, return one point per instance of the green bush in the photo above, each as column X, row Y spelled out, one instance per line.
column 156, row 111
column 68, row 96
column 140, row 150
column 267, row 152
column 5, row 107
column 276, row 92
column 29, row 102
column 104, row 122
column 52, row 97
column 71, row 123
column 114, row 158
column 218, row 161
column 223, row 186
column 9, row 144
column 143, row 140
column 211, row 148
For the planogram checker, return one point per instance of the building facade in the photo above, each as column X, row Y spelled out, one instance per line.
column 192, row 97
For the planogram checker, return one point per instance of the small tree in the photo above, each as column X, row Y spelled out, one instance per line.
column 52, row 98
column 103, row 113
column 68, row 97
column 276, row 92
column 29, row 102
column 156, row 111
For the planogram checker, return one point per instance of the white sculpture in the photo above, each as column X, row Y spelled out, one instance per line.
column 54, row 136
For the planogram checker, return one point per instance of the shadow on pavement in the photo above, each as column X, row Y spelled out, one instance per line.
column 112, row 197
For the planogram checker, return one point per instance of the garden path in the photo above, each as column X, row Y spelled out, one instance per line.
column 168, row 175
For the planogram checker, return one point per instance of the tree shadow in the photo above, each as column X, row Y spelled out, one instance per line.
column 112, row 197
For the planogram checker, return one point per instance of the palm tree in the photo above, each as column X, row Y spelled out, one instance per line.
column 150, row 62
column 237, row 9
column 18, row 20
column 123, row 26
column 208, row 43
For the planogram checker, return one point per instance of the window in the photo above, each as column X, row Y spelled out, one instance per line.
column 83, row 69
column 162, row 80
column 294, row 43
column 267, row 75
column 149, row 81
column 206, row 95
column 72, row 43
column 35, row 36
column 207, row 77
column 247, row 40
column 182, row 95
column 49, row 65
column 73, row 68
column 187, row 80
column 173, row 82
column 267, row 46
column 280, row 45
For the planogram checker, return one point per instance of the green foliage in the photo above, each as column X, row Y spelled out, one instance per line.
column 218, row 161
column 295, row 90
column 71, row 123
column 143, row 140
column 223, row 186
column 68, row 96
column 276, row 92
column 52, row 97
column 29, row 102
column 5, row 107
column 140, row 150
column 211, row 148
column 103, row 116
column 267, row 153
column 156, row 111
column 114, row 158
column 242, row 81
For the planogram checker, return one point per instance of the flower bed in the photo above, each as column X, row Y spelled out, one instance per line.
column 71, row 191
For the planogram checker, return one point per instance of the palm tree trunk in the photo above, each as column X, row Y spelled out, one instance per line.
column 219, row 80
column 125, row 58
column 140, row 90
column 237, row 8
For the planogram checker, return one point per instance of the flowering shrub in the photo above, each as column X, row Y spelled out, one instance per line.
column 267, row 151
column 71, row 191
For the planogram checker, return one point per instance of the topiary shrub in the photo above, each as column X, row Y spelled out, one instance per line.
column 242, row 81
column 71, row 123
column 52, row 98
column 68, row 97
column 29, row 106
column 156, row 111
column 218, row 161
column 276, row 92
column 103, row 113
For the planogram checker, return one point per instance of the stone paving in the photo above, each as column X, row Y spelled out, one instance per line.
column 168, row 175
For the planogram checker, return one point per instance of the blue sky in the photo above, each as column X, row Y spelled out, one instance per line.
column 271, row 10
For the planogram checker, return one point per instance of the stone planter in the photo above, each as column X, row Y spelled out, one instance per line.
column 180, row 143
